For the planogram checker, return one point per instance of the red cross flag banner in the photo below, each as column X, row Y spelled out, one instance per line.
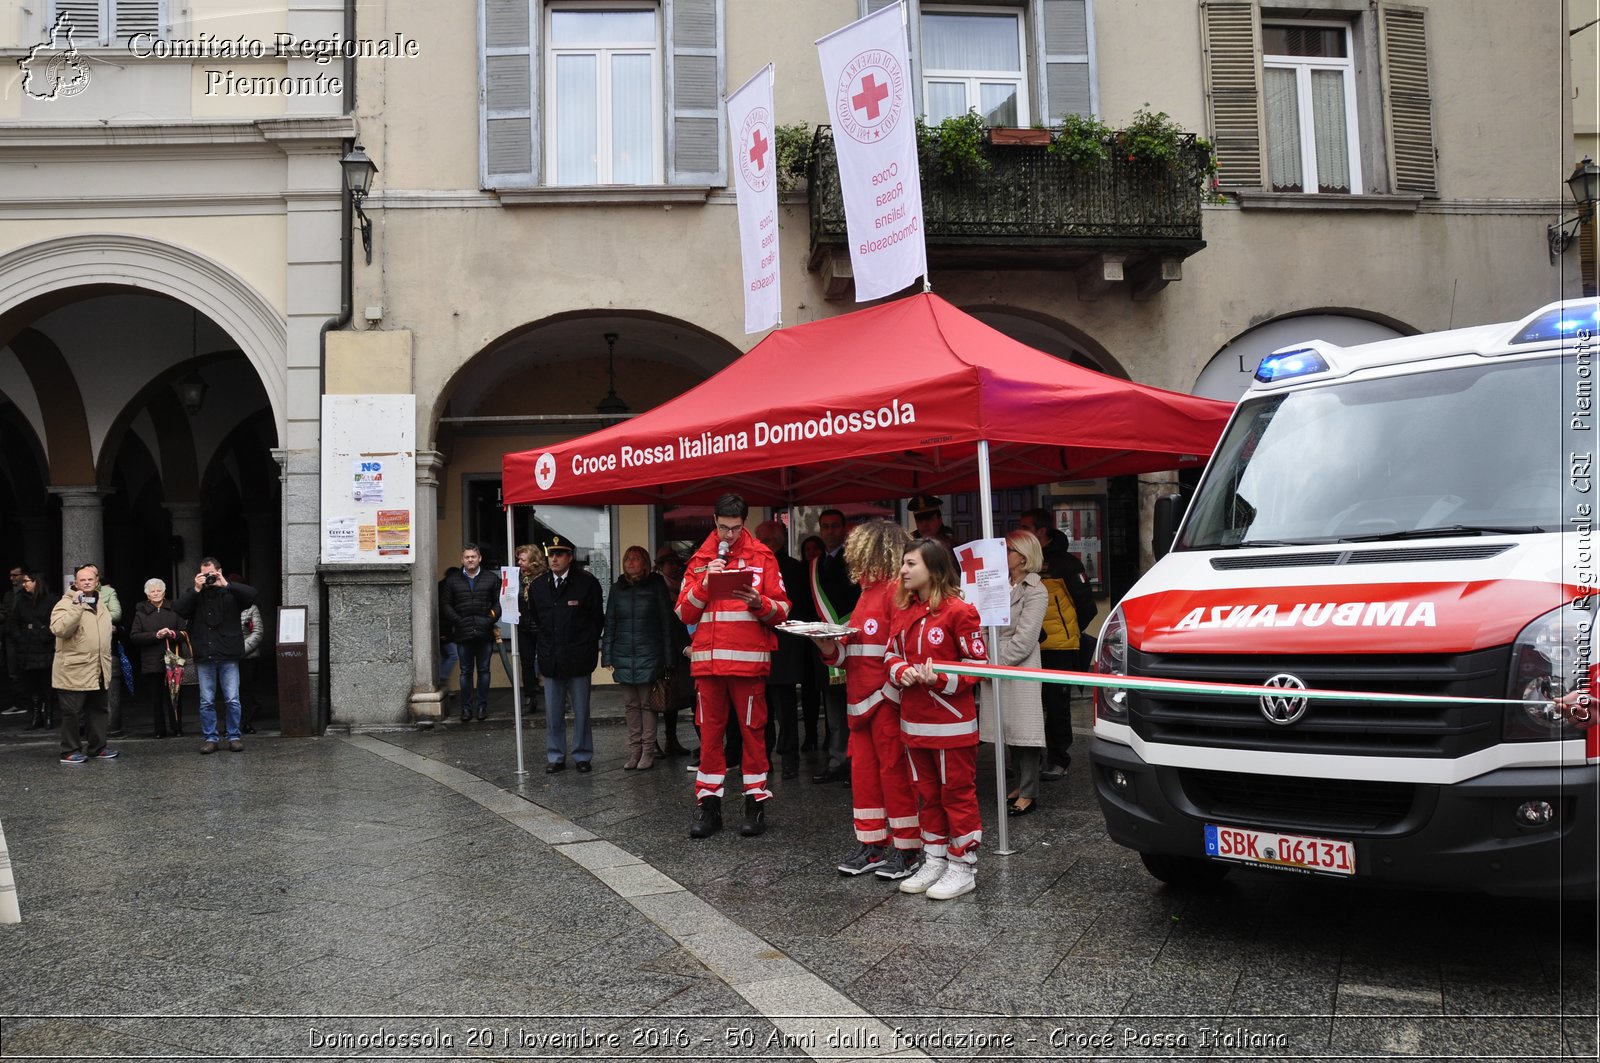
column 755, row 159
column 985, row 580
column 868, row 81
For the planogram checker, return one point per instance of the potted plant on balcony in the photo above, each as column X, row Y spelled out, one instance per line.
column 1083, row 140
column 794, row 155
column 954, row 146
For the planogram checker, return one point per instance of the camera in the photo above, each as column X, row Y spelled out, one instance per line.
column 211, row 577
column 89, row 599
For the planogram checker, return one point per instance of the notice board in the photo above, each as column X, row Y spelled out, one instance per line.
column 369, row 479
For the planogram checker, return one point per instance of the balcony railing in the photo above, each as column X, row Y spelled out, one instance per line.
column 1031, row 208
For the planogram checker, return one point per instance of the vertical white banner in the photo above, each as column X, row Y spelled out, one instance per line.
column 867, row 77
column 755, row 165
column 510, row 593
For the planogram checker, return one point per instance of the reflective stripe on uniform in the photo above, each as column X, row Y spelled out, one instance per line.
column 953, row 710
column 750, row 656
column 869, row 813
column 967, row 839
column 865, row 705
column 903, row 822
column 938, row 730
column 709, row 780
column 907, row 843
column 748, row 779
column 696, row 602
column 952, row 684
column 730, row 616
column 867, row 837
column 856, row 649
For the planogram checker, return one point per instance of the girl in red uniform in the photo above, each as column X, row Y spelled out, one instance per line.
column 938, row 716
column 880, row 777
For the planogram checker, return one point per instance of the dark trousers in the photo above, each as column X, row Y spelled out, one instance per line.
column 783, row 723
column 1057, row 701
column 474, row 656
column 811, row 683
column 91, row 707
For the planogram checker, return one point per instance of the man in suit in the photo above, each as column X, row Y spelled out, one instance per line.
column 571, row 616
column 835, row 597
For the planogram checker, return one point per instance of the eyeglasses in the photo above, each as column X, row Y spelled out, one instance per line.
column 730, row 529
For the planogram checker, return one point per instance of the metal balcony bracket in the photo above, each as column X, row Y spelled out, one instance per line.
column 1154, row 274
column 838, row 279
column 1099, row 274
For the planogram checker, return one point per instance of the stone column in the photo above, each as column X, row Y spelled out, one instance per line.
column 369, row 644
column 427, row 700
column 186, row 525
column 83, row 533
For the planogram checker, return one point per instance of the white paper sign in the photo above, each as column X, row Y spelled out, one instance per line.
column 367, row 481
column 985, row 581
column 867, row 77
column 340, row 539
column 510, row 583
column 755, row 159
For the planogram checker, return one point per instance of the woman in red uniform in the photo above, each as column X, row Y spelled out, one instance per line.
column 938, row 717
column 880, row 777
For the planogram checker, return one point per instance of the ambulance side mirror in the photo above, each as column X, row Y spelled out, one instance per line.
column 1164, row 525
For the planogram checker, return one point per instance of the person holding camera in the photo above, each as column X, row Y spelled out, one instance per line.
column 212, row 607
column 81, row 674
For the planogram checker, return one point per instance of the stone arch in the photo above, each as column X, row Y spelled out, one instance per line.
column 66, row 425
column 53, row 269
column 1026, row 321
column 1226, row 373
column 717, row 351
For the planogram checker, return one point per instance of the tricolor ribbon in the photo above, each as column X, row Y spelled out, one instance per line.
column 1196, row 686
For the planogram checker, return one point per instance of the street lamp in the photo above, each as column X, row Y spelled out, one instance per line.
column 1584, row 184
column 358, row 170
column 612, row 405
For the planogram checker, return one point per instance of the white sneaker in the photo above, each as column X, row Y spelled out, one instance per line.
column 959, row 879
column 932, row 871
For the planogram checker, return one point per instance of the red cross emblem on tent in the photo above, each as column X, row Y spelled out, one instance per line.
column 544, row 471
column 870, row 97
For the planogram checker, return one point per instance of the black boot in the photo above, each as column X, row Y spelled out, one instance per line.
column 707, row 818
column 755, row 818
column 39, row 719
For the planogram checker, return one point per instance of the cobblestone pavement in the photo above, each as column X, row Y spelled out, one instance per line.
column 407, row 895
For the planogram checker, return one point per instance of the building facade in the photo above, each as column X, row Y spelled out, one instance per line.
column 553, row 227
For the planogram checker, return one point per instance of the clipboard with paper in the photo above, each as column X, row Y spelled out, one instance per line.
column 723, row 584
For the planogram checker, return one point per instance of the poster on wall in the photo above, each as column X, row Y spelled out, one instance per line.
column 369, row 479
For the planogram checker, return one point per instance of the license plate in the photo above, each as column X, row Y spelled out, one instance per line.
column 1271, row 849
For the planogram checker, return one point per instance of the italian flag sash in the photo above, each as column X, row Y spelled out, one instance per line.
column 828, row 613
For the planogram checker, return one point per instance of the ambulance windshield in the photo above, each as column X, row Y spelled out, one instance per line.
column 1502, row 448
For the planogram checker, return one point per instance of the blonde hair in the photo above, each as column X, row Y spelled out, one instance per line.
column 533, row 552
column 1027, row 544
column 643, row 555
column 943, row 579
column 873, row 551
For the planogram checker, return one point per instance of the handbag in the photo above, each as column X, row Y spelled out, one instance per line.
column 660, row 694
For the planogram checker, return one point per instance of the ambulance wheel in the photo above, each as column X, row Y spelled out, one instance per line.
column 1184, row 872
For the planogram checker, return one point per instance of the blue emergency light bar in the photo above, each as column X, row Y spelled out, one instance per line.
column 1288, row 364
column 1561, row 323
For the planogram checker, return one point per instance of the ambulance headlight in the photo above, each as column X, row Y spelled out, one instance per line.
column 1549, row 658
column 1111, row 658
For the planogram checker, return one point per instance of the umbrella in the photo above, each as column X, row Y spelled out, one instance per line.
column 127, row 668
column 176, row 663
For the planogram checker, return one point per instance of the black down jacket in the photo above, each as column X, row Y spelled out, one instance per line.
column 638, row 636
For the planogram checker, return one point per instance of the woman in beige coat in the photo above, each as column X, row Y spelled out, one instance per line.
column 1019, row 647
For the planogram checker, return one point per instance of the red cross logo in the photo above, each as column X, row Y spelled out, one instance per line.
column 870, row 96
column 758, row 151
column 936, row 636
column 971, row 564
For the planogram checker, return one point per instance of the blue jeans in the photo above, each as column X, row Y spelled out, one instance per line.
column 474, row 655
column 210, row 672
column 447, row 662
column 558, row 694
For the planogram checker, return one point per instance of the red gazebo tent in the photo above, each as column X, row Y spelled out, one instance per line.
column 890, row 401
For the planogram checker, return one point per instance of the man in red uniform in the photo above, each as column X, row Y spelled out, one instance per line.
column 730, row 655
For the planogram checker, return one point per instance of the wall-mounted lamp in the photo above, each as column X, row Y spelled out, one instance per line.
column 1584, row 184
column 358, row 171
column 191, row 389
column 612, row 405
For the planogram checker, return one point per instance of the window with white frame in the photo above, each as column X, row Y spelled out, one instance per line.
column 603, row 110
column 1309, row 91
column 972, row 58
column 100, row 23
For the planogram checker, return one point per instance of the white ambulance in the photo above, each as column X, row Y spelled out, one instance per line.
column 1409, row 517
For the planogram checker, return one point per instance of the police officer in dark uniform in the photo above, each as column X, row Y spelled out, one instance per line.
column 927, row 511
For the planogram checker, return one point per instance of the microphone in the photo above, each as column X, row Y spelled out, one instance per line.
column 722, row 548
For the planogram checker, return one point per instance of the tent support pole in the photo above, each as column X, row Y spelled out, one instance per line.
column 516, row 650
column 986, row 515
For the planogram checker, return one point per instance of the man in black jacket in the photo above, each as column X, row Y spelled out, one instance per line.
column 571, row 614
column 212, row 607
column 1059, row 563
column 469, row 604
column 838, row 598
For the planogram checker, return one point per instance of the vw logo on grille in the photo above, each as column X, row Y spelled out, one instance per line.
column 1280, row 708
